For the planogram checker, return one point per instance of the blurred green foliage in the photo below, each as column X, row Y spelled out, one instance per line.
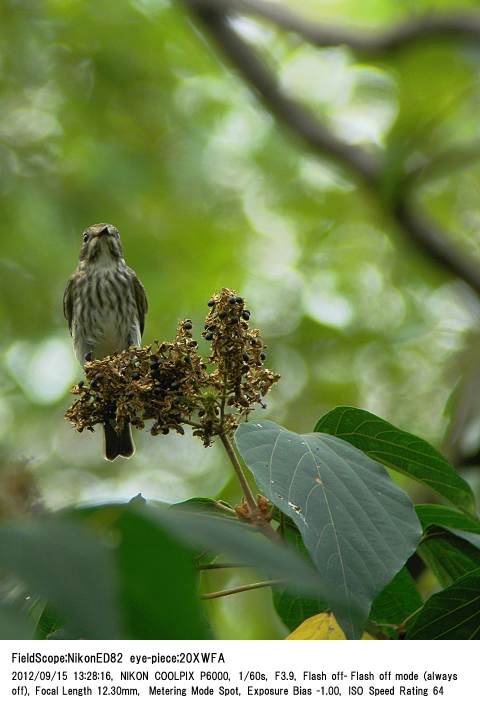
column 124, row 113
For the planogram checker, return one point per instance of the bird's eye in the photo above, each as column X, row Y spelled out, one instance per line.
column 85, row 238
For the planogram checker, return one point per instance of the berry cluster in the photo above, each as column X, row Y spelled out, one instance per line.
column 238, row 353
column 172, row 386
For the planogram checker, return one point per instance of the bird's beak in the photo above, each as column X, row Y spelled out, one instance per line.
column 103, row 231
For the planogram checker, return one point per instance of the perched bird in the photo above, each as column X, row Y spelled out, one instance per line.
column 105, row 305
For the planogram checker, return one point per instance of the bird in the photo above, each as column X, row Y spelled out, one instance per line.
column 105, row 305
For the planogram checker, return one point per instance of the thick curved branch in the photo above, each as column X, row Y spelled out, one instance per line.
column 463, row 24
column 422, row 232
column 290, row 112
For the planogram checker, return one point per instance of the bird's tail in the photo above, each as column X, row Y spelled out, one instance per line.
column 118, row 443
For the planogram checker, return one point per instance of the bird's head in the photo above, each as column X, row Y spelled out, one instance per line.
column 101, row 245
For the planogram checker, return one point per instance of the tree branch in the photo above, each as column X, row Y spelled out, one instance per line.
column 298, row 118
column 451, row 159
column 428, row 238
column 422, row 232
column 456, row 25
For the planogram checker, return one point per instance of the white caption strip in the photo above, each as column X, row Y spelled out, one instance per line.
column 266, row 673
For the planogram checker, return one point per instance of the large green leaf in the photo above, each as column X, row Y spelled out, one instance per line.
column 65, row 564
column 452, row 614
column 245, row 544
column 398, row 450
column 447, row 555
column 357, row 525
column 155, row 573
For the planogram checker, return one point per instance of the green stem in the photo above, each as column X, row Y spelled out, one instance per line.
column 240, row 589
column 255, row 514
column 247, row 493
column 225, row 565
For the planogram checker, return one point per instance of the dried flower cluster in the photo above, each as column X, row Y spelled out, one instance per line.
column 170, row 384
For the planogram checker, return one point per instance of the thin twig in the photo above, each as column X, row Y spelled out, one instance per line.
column 240, row 589
column 447, row 161
column 225, row 565
column 222, row 506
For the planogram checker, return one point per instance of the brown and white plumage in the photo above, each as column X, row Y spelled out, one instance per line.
column 105, row 305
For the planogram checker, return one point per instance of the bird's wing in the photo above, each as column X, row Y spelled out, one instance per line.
column 68, row 303
column 141, row 301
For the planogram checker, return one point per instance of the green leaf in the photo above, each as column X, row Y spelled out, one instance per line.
column 399, row 599
column 13, row 625
column 398, row 450
column 461, row 525
column 157, row 583
column 47, row 620
column 243, row 543
column 358, row 527
column 293, row 608
column 66, row 565
column 446, row 517
column 452, row 614
column 448, row 556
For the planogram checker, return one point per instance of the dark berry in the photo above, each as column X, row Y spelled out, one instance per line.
column 234, row 319
column 211, row 302
column 80, row 384
column 239, row 299
column 135, row 376
column 208, row 335
column 165, row 430
column 187, row 325
column 232, row 300
column 245, row 368
column 246, row 358
column 263, row 356
column 222, row 314
column 246, row 315
column 192, row 343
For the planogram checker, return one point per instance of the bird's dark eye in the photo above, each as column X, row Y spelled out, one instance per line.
column 85, row 238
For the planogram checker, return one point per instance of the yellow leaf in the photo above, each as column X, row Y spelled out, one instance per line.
column 321, row 627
